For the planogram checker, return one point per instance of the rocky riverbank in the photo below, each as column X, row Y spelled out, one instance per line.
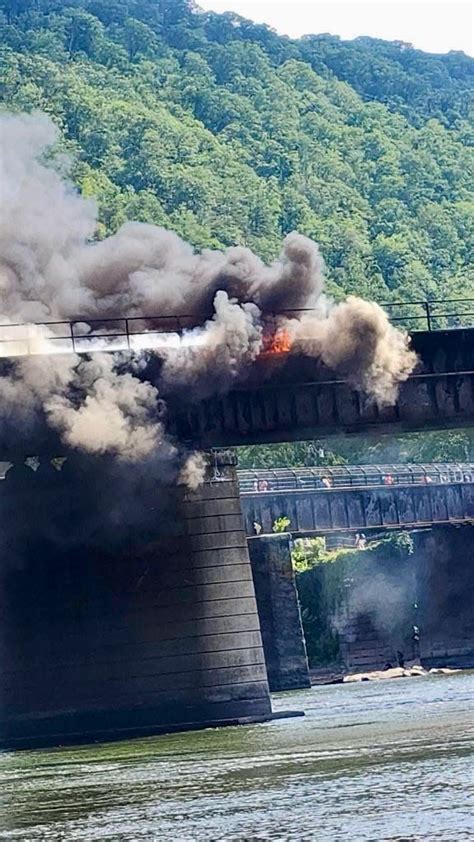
column 397, row 672
column 413, row 671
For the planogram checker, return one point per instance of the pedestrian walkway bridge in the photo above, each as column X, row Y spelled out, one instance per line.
column 325, row 501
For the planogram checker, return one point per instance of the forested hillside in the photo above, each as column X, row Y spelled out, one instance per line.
column 229, row 133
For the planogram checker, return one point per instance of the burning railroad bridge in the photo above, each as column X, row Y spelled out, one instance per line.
column 127, row 600
column 128, row 605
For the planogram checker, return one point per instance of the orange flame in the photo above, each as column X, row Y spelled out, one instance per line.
column 277, row 343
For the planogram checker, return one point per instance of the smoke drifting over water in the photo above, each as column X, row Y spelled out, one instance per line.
column 51, row 270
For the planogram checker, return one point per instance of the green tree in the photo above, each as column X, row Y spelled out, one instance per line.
column 82, row 32
column 138, row 38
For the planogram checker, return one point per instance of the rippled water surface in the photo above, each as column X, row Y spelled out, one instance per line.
column 372, row 761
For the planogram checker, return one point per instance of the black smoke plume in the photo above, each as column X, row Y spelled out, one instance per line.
column 51, row 269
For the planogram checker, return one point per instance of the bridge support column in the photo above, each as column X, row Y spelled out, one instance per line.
column 279, row 612
column 158, row 631
column 445, row 584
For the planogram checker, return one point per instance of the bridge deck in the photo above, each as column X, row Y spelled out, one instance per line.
column 325, row 511
column 293, row 398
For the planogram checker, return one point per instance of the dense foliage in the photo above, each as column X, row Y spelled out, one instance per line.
column 300, row 455
column 429, row 446
column 229, row 133
column 307, row 553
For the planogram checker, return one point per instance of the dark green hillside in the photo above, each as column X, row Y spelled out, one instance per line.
column 417, row 85
column 228, row 133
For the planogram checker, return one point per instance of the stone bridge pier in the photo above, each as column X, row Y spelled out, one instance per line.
column 445, row 584
column 127, row 608
column 279, row 612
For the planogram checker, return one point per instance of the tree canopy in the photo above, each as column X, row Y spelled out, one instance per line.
column 231, row 134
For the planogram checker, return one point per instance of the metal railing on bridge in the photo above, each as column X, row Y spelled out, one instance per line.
column 352, row 476
column 356, row 498
column 431, row 315
column 136, row 333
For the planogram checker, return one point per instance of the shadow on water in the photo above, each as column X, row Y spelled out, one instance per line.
column 372, row 761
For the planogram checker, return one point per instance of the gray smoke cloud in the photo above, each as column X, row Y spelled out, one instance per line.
column 52, row 270
column 121, row 411
column 356, row 340
column 218, row 353
column 385, row 599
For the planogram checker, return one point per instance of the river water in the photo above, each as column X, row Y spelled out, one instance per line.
column 372, row 761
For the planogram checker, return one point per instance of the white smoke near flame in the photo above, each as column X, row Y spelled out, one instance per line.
column 356, row 340
column 193, row 472
column 51, row 270
column 219, row 352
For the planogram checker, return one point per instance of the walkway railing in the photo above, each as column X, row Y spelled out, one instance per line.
column 136, row 333
column 351, row 476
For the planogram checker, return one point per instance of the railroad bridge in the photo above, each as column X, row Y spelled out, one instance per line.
column 111, row 631
column 290, row 397
column 294, row 398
